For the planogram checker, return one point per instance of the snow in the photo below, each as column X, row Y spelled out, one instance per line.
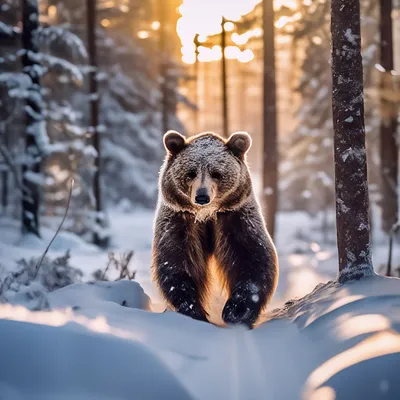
column 380, row 68
column 351, row 37
column 111, row 340
column 6, row 29
column 57, row 64
column 72, row 42
column 90, row 346
column 101, row 295
column 14, row 81
column 36, row 178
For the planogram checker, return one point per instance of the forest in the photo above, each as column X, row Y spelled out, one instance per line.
column 94, row 304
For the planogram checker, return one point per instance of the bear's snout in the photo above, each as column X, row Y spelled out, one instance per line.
column 202, row 198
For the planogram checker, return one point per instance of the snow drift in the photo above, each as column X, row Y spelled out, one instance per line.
column 100, row 341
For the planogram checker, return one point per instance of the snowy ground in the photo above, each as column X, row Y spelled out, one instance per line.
column 305, row 260
column 340, row 340
column 101, row 342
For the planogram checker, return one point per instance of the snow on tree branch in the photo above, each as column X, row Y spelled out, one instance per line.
column 59, row 37
column 58, row 65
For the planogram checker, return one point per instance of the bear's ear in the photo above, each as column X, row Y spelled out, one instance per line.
column 239, row 143
column 174, row 142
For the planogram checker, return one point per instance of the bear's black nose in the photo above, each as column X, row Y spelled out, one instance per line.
column 202, row 197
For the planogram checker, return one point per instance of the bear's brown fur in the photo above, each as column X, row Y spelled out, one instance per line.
column 207, row 211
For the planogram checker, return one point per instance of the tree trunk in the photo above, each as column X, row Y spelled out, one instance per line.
column 94, row 114
column 196, row 85
column 270, row 151
column 164, row 70
column 224, row 88
column 351, row 183
column 4, row 174
column 388, row 145
column 35, row 133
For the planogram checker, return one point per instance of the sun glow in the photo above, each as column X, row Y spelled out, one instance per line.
column 381, row 344
column 204, row 18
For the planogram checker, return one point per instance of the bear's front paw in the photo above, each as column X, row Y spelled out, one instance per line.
column 239, row 313
column 243, row 307
column 192, row 310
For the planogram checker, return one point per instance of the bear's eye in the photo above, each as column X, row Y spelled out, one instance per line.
column 191, row 174
column 216, row 175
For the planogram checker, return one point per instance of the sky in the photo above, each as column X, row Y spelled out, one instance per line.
column 204, row 18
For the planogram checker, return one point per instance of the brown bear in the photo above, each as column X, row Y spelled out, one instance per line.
column 207, row 212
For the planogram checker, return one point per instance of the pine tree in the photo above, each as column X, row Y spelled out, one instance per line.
column 307, row 172
column 35, row 134
column 130, row 116
column 91, row 16
column 62, row 136
column 130, row 112
column 351, row 183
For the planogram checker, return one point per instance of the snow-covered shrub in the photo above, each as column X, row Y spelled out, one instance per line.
column 52, row 274
column 120, row 264
column 32, row 296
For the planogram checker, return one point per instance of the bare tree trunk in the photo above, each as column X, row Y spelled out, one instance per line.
column 270, row 151
column 163, row 32
column 35, row 125
column 224, row 88
column 352, row 201
column 4, row 174
column 243, row 85
column 94, row 113
column 388, row 144
column 196, row 85
column 4, row 191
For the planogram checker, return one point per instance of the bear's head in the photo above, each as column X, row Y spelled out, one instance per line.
column 205, row 173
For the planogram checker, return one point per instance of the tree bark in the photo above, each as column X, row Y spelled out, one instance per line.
column 94, row 112
column 351, row 183
column 4, row 175
column 270, row 150
column 34, row 120
column 388, row 144
column 164, row 70
column 196, row 85
column 224, row 88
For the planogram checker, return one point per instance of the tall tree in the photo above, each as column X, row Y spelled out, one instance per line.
column 94, row 114
column 270, row 151
column 388, row 145
column 351, row 183
column 35, row 133
column 224, row 87
column 164, row 70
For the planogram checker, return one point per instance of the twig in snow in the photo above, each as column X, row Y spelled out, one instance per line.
column 121, row 264
column 124, row 264
column 58, row 230
column 111, row 260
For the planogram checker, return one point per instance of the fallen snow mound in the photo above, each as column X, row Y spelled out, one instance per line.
column 104, row 296
column 99, row 341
